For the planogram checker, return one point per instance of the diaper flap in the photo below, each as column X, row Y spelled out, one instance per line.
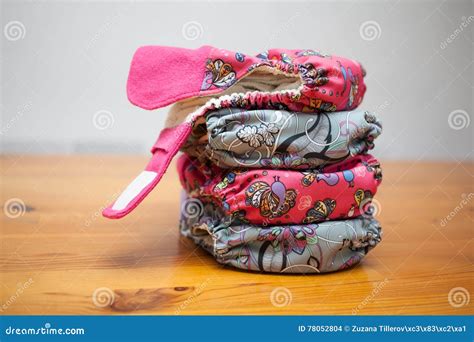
column 167, row 145
column 162, row 75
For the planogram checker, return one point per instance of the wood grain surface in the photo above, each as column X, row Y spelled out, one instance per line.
column 59, row 256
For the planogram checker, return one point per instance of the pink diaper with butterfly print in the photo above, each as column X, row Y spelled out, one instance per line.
column 205, row 79
column 269, row 197
column 342, row 178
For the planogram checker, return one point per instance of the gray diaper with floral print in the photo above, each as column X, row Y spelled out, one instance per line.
column 266, row 138
column 313, row 248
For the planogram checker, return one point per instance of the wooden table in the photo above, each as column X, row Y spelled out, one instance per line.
column 59, row 251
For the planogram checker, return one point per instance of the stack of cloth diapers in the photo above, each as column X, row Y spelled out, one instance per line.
column 275, row 168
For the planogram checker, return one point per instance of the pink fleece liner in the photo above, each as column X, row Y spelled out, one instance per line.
column 154, row 70
column 165, row 148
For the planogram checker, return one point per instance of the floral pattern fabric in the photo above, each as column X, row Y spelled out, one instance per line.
column 274, row 197
column 281, row 139
column 311, row 248
column 331, row 83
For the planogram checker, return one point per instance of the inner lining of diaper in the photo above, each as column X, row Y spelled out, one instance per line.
column 263, row 79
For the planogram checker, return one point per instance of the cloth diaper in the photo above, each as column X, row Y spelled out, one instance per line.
column 271, row 138
column 275, row 170
column 276, row 197
column 206, row 79
column 310, row 248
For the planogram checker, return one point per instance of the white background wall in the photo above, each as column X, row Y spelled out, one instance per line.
column 69, row 60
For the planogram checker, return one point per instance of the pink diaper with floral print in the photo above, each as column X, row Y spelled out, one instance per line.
column 161, row 75
column 201, row 80
column 274, row 197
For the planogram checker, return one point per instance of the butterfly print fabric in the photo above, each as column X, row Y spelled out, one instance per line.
column 273, row 196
